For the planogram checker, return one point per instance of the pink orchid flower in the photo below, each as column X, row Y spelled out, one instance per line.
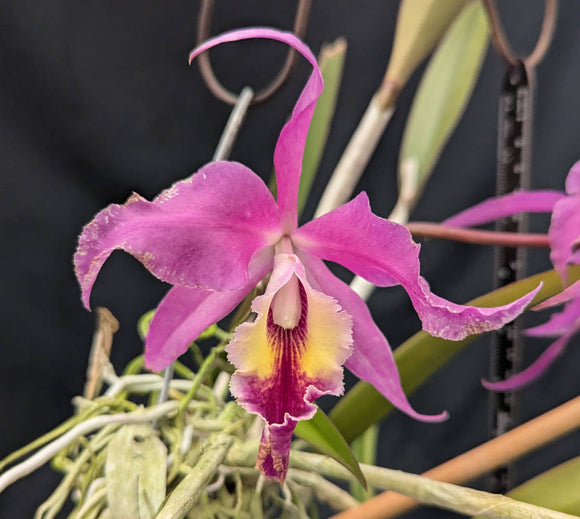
column 564, row 238
column 215, row 235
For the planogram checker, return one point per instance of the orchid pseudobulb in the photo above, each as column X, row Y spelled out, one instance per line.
column 215, row 235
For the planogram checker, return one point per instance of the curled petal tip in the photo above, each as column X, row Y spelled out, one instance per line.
column 491, row 386
column 430, row 418
column 570, row 293
column 536, row 369
column 502, row 385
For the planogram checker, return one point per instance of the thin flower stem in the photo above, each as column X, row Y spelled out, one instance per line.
column 355, row 157
column 203, row 369
column 49, row 451
column 506, row 239
column 232, row 129
column 486, row 457
column 222, row 335
column 164, row 393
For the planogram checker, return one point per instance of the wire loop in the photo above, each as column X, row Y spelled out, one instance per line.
column 501, row 43
column 212, row 82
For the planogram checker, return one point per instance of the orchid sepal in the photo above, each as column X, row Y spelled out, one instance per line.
column 382, row 251
column 201, row 232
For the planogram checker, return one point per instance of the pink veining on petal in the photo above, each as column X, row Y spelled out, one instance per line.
column 372, row 359
column 280, row 371
column 186, row 312
column 290, row 146
column 380, row 250
column 507, row 205
column 203, row 231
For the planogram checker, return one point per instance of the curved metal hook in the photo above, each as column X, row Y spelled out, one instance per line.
column 212, row 82
column 501, row 43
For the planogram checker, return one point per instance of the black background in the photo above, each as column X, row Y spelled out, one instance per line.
column 97, row 100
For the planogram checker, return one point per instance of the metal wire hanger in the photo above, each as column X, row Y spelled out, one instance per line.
column 211, row 80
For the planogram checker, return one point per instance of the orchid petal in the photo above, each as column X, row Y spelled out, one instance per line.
column 575, row 251
column 572, row 292
column 290, row 146
column 564, row 231
column 203, row 231
column 573, row 180
column 535, row 370
column 380, row 250
column 564, row 324
column 563, row 321
column 186, row 312
column 507, row 205
column 280, row 371
column 372, row 359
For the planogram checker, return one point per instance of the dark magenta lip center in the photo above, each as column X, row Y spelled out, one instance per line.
column 286, row 388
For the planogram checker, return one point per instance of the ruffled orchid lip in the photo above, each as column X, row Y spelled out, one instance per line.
column 282, row 369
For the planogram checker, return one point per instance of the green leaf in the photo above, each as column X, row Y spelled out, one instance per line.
column 365, row 450
column 556, row 489
column 441, row 98
column 422, row 355
column 331, row 62
column 322, row 434
column 135, row 472
column 420, row 25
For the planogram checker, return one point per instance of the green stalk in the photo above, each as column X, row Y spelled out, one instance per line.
column 197, row 381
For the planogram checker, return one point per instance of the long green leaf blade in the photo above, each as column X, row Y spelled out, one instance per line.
column 331, row 61
column 322, row 434
column 420, row 25
column 422, row 355
column 441, row 98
